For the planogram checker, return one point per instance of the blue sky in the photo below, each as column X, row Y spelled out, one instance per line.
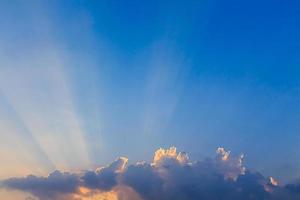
column 82, row 82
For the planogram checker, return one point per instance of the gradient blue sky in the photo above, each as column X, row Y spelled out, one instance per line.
column 82, row 82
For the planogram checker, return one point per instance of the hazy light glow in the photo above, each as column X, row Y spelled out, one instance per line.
column 83, row 82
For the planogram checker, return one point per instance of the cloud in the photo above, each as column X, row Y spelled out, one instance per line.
column 104, row 178
column 50, row 187
column 170, row 176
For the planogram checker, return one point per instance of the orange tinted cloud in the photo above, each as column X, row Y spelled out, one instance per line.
column 170, row 176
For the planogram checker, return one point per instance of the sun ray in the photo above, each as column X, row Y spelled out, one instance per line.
column 44, row 105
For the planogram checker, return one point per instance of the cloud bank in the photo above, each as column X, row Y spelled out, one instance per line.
column 170, row 176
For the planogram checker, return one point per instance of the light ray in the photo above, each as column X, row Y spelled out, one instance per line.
column 19, row 147
column 43, row 102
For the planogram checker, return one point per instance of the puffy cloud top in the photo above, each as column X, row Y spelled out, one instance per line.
column 170, row 176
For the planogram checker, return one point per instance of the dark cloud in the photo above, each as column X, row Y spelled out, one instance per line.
column 144, row 179
column 46, row 187
column 104, row 178
column 171, row 176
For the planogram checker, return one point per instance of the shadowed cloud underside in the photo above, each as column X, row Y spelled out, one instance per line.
column 170, row 176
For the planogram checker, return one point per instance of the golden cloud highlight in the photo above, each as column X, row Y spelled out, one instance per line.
column 170, row 176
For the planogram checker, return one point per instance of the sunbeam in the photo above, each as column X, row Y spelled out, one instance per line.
column 83, row 82
column 17, row 136
column 48, row 114
column 167, row 70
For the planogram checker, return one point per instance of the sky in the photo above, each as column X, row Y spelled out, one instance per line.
column 84, row 82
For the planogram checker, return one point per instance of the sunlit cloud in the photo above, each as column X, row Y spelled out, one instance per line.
column 171, row 175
